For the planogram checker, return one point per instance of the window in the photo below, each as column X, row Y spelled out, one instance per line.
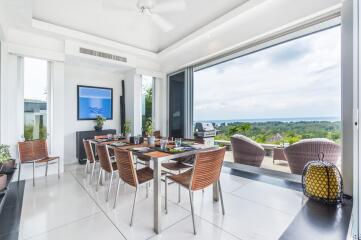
column 275, row 96
column 147, row 99
column 35, row 98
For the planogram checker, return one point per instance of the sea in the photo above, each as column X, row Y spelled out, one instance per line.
column 303, row 119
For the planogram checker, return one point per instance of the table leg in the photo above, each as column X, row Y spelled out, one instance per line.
column 215, row 192
column 157, row 196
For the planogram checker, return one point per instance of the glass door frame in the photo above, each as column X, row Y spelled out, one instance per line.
column 188, row 101
column 49, row 96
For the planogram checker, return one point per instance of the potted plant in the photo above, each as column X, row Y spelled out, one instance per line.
column 99, row 120
column 127, row 130
column 6, row 163
column 149, row 131
column 3, row 180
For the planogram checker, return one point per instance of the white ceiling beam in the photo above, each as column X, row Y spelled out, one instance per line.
column 214, row 25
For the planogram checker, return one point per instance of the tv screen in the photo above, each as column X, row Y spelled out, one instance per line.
column 93, row 101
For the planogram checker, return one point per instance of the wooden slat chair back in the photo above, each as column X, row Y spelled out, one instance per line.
column 125, row 166
column 101, row 137
column 26, row 153
column 40, row 148
column 207, row 168
column 33, row 150
column 89, row 151
column 104, row 158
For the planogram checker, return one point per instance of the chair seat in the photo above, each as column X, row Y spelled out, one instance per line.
column 47, row 159
column 175, row 166
column 183, row 179
column 144, row 175
column 143, row 158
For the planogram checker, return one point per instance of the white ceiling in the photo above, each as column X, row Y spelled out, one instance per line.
column 136, row 30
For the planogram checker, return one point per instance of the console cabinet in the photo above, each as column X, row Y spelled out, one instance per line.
column 80, row 152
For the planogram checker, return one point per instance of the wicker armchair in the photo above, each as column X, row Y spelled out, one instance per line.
column 246, row 151
column 300, row 153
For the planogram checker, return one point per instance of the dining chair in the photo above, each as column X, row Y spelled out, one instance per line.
column 101, row 137
column 90, row 158
column 35, row 152
column 130, row 175
column 106, row 165
column 206, row 171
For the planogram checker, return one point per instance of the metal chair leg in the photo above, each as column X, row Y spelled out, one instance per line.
column 116, row 195
column 166, row 194
column 33, row 174
column 110, row 186
column 98, row 182
column 192, row 210
column 58, row 168
column 147, row 190
column 19, row 171
column 86, row 167
column 91, row 176
column 46, row 168
column 179, row 190
column 135, row 197
column 221, row 196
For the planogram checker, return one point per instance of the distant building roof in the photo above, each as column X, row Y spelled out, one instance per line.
column 32, row 105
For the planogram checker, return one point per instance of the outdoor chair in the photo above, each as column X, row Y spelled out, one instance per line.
column 246, row 151
column 300, row 153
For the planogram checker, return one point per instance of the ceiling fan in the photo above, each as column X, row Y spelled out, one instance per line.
column 150, row 8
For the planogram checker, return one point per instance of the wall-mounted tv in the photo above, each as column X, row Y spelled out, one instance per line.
column 93, row 101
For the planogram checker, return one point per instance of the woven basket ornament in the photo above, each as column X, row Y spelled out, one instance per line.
column 322, row 181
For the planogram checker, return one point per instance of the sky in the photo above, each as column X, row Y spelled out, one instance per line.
column 35, row 78
column 299, row 78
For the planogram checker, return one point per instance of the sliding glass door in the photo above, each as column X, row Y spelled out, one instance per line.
column 176, row 95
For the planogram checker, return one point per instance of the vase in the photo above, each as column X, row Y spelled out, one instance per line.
column 3, row 180
column 127, row 136
column 151, row 140
column 98, row 128
column 7, row 166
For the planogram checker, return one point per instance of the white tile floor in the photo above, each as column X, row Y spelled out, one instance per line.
column 71, row 209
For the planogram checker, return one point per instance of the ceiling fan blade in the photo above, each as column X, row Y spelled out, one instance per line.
column 116, row 5
column 170, row 6
column 162, row 23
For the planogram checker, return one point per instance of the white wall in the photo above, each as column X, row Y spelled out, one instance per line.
column 10, row 105
column 81, row 75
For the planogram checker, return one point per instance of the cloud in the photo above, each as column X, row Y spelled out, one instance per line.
column 263, row 85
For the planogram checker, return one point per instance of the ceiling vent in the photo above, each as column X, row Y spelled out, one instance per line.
column 102, row 55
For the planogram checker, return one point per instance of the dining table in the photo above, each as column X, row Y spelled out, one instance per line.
column 158, row 156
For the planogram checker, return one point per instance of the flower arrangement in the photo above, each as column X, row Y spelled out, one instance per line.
column 4, row 153
column 126, row 129
column 149, row 130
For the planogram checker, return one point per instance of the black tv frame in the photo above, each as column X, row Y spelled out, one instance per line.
column 77, row 99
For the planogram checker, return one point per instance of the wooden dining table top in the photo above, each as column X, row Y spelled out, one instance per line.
column 152, row 153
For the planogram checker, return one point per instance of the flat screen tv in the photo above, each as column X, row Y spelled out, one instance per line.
column 93, row 101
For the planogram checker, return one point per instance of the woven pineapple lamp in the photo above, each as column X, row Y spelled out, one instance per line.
column 322, row 181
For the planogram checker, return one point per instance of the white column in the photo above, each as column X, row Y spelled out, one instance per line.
column 56, row 112
column 133, row 104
